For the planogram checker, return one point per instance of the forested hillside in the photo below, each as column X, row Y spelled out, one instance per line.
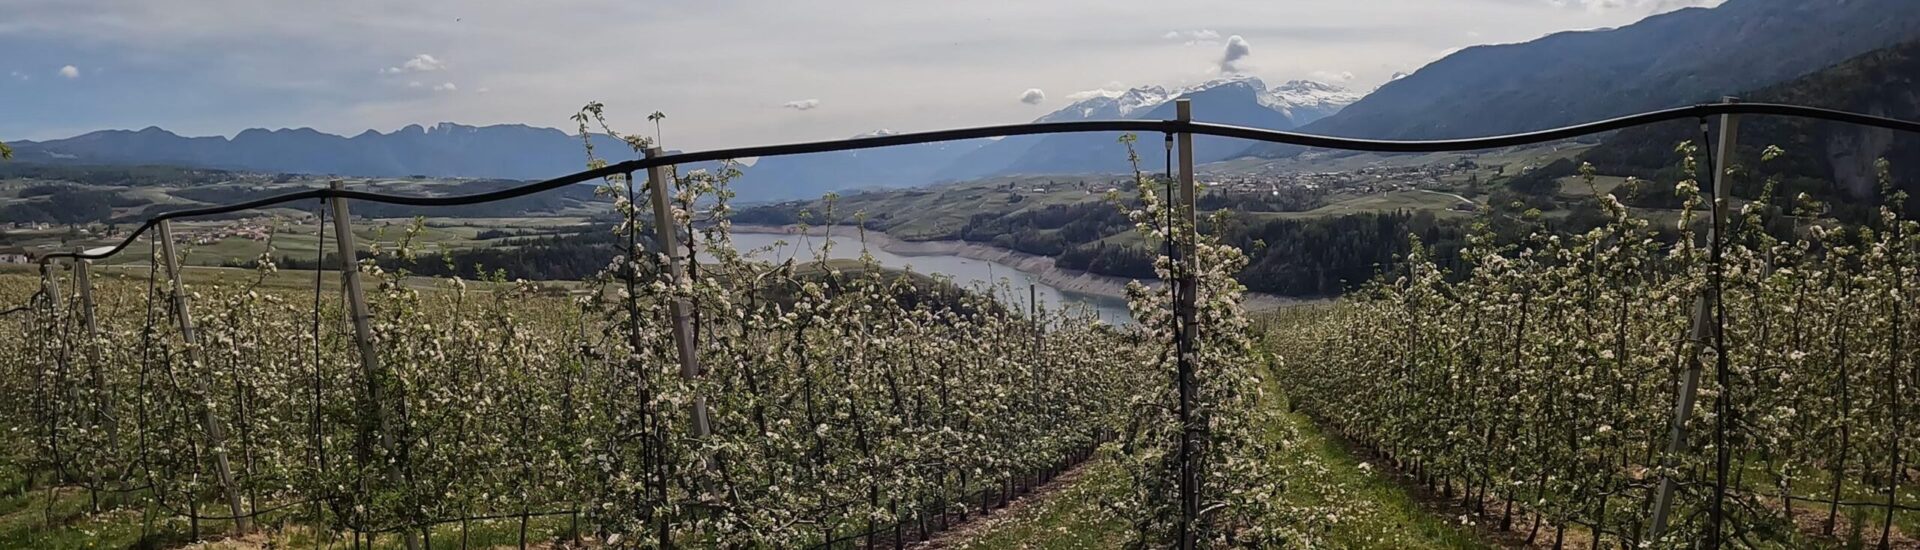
column 1306, row 256
column 1667, row 60
column 1829, row 161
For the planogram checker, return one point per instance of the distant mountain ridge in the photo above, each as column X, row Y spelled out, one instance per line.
column 511, row 151
column 515, row 151
column 1236, row 99
column 1832, row 162
column 813, row 175
column 1667, row 60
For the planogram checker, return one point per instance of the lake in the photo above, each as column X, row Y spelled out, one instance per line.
column 965, row 272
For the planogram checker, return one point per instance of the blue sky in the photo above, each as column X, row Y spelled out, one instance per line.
column 726, row 72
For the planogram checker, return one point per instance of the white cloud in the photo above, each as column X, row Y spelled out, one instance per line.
column 1112, row 89
column 1237, row 50
column 20, row 75
column 70, row 71
column 414, row 84
column 1331, row 77
column 483, row 89
column 419, row 64
column 802, row 104
column 446, row 87
column 1033, row 96
column 1199, row 37
column 917, row 65
column 1089, row 94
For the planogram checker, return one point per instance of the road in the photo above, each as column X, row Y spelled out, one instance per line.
column 1462, row 199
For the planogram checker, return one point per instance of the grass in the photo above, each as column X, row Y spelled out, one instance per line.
column 1071, row 519
column 34, row 516
column 1323, row 160
column 297, row 238
column 1816, row 482
column 938, row 211
column 1380, row 513
column 1377, row 511
column 208, row 275
column 69, row 524
column 1411, row 200
column 303, row 241
column 1575, row 187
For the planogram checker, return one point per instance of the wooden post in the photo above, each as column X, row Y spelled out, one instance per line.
column 1187, row 287
column 1701, row 327
column 362, row 317
column 216, row 434
column 667, row 238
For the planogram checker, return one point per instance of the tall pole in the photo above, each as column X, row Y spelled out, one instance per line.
column 216, row 433
column 83, row 273
column 362, row 317
column 46, row 380
column 1186, row 290
column 48, row 289
column 667, row 237
column 83, row 278
column 1701, row 329
column 1033, row 315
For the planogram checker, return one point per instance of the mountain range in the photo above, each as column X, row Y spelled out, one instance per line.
column 813, row 175
column 1831, row 162
column 1672, row 59
column 511, row 151
column 1236, row 99
column 1667, row 60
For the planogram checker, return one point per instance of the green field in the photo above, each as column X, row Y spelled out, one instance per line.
column 298, row 237
column 1416, row 201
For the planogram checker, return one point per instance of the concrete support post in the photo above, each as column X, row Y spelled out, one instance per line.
column 209, row 420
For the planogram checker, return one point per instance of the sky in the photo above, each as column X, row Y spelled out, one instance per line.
column 725, row 72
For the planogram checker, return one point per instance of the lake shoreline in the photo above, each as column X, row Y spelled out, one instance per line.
column 1040, row 267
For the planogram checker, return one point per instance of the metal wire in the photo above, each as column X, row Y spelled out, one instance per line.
column 319, row 267
column 1143, row 126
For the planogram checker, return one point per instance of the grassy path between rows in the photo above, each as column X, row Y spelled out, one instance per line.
column 1355, row 505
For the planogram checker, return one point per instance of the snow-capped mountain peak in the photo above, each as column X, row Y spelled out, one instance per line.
column 1308, row 93
column 1138, row 99
column 1309, row 85
column 1304, row 99
column 1109, row 104
column 1228, row 80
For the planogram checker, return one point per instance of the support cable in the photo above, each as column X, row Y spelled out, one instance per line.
column 1038, row 128
column 319, row 268
column 1722, row 404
